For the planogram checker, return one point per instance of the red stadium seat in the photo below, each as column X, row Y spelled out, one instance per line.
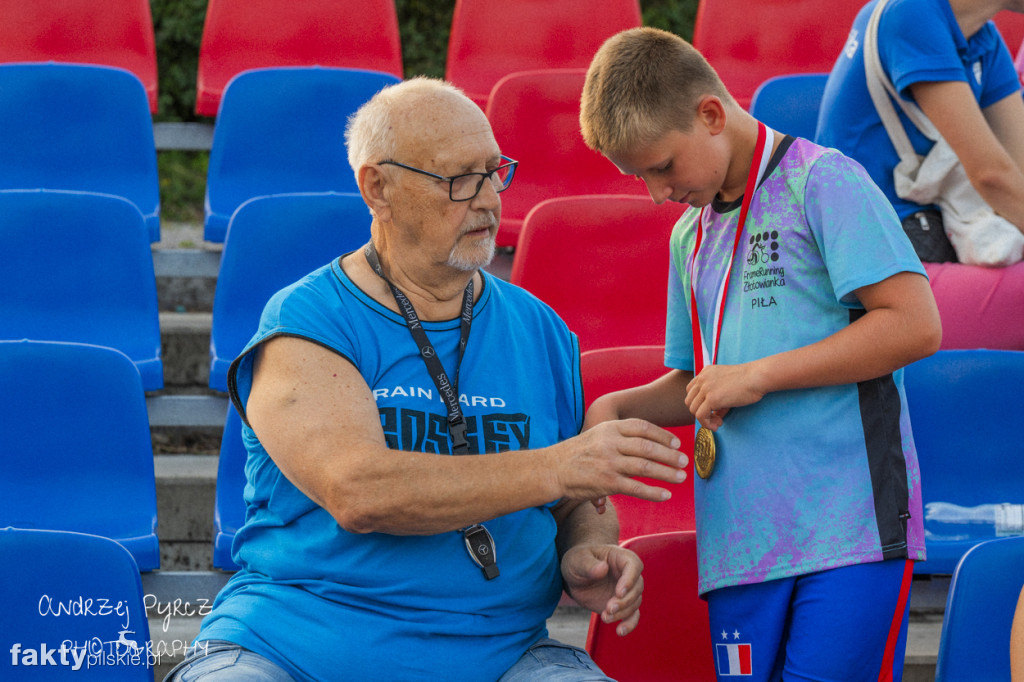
column 804, row 39
column 612, row 369
column 1011, row 27
column 601, row 262
column 239, row 35
column 540, row 34
column 672, row 641
column 535, row 116
column 86, row 32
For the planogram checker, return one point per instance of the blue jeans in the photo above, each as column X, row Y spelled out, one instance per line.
column 214, row 659
column 220, row 661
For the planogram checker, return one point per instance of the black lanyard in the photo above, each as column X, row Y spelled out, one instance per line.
column 479, row 543
column 448, row 390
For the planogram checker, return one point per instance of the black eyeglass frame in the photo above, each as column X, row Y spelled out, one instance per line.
column 509, row 163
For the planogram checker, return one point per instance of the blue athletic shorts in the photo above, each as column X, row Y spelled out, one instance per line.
column 845, row 624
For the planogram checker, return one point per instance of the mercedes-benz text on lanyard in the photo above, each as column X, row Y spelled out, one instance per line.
column 704, row 445
column 478, row 540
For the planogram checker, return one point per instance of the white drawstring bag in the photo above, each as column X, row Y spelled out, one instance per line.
column 978, row 235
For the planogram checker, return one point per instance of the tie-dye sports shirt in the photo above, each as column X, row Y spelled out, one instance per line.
column 811, row 479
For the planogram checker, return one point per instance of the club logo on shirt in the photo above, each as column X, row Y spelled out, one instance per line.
column 733, row 657
column 976, row 67
column 763, row 272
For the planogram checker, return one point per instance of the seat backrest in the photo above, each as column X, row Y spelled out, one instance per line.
column 547, row 35
column 672, row 641
column 612, row 369
column 963, row 468
column 49, row 578
column 804, row 38
column 1011, row 27
column 78, row 127
column 83, row 273
column 535, row 116
column 86, row 32
column 282, row 130
column 790, row 103
column 979, row 612
column 601, row 262
column 253, row 34
column 229, row 504
column 76, row 444
column 272, row 242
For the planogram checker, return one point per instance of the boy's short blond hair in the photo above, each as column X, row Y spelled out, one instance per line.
column 642, row 83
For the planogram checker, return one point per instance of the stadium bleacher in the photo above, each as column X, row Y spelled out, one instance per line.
column 187, row 418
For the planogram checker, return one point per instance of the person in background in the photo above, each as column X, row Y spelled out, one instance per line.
column 418, row 488
column 947, row 57
column 794, row 301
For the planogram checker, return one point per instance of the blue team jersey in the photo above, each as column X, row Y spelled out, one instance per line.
column 810, row 479
column 328, row 604
column 918, row 40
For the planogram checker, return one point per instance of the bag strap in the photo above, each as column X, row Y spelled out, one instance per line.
column 883, row 93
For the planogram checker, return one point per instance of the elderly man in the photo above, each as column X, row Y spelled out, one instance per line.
column 369, row 551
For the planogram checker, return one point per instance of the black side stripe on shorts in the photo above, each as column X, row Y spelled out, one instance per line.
column 880, row 417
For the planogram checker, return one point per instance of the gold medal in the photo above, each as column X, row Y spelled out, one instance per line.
column 704, row 453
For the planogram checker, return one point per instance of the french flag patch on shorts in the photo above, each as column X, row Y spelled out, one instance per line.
column 733, row 659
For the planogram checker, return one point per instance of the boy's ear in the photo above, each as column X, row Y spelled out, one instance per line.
column 371, row 186
column 711, row 112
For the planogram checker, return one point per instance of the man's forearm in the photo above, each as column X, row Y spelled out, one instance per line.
column 580, row 524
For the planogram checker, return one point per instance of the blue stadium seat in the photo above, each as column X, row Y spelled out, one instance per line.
column 281, row 130
column 229, row 507
column 272, row 242
column 790, row 103
column 979, row 612
column 79, row 127
column 75, row 590
column 77, row 453
column 965, row 412
column 83, row 273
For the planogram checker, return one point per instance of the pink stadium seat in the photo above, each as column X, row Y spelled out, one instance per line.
column 250, row 34
column 1019, row 63
column 601, row 262
column 672, row 641
column 493, row 38
column 535, row 116
column 804, row 38
column 612, row 369
column 85, row 31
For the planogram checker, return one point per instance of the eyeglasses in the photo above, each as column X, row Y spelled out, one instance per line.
column 466, row 186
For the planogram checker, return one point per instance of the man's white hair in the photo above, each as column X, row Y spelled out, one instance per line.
column 370, row 135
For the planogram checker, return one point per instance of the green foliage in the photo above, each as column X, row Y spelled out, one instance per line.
column 676, row 16
column 182, row 185
column 424, row 26
column 178, row 25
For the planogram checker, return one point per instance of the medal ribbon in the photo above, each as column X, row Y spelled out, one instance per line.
column 758, row 165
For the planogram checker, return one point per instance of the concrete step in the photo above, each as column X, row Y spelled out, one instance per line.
column 185, row 492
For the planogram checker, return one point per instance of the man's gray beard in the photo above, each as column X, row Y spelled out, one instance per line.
column 465, row 261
